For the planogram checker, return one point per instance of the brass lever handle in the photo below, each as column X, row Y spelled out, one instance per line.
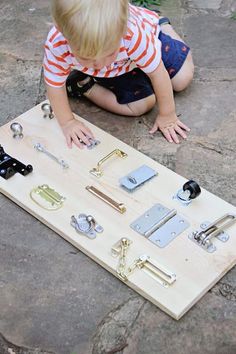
column 97, row 171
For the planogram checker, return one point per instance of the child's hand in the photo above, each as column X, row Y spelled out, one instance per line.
column 170, row 126
column 75, row 132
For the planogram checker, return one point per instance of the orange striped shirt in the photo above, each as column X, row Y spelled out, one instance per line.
column 140, row 47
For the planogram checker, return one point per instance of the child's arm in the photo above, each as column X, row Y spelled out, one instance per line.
column 72, row 128
column 167, row 121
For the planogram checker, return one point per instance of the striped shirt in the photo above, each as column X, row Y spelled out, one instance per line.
column 140, row 47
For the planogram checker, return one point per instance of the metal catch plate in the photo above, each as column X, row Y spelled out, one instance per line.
column 137, row 177
column 160, row 225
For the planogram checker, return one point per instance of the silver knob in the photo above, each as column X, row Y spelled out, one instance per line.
column 47, row 110
column 17, row 130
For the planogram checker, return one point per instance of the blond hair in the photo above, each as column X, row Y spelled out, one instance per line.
column 92, row 27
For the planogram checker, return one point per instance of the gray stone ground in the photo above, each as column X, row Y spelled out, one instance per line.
column 53, row 298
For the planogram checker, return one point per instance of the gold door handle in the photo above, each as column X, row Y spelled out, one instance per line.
column 97, row 171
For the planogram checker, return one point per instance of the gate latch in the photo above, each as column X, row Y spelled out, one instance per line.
column 205, row 236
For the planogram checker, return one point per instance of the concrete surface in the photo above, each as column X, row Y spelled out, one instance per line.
column 53, row 299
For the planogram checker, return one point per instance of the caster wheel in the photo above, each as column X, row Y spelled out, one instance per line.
column 193, row 188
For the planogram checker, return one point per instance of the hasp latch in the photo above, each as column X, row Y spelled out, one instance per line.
column 9, row 166
column 204, row 237
column 160, row 225
column 137, row 178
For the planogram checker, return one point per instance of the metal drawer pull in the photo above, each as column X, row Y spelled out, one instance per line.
column 97, row 171
column 116, row 205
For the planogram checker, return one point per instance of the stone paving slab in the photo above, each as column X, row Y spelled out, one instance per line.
column 53, row 298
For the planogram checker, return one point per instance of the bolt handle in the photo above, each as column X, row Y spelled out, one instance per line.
column 193, row 188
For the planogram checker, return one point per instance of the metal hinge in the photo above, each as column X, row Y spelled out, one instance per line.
column 9, row 166
column 49, row 198
column 160, row 225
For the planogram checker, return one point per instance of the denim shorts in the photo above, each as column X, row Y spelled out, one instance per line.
column 135, row 85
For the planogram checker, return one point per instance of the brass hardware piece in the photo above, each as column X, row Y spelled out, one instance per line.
column 97, row 171
column 216, row 229
column 120, row 249
column 162, row 275
column 49, row 195
column 116, row 205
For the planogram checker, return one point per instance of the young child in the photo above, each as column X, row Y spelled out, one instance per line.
column 125, row 59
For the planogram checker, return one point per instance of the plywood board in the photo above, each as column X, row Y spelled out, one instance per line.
column 196, row 270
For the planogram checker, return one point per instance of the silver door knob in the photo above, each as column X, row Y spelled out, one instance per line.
column 47, row 110
column 17, row 130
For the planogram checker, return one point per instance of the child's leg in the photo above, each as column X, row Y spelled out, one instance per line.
column 107, row 100
column 129, row 95
column 185, row 75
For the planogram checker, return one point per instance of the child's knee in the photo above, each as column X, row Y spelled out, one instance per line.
column 182, row 84
column 184, row 77
column 142, row 106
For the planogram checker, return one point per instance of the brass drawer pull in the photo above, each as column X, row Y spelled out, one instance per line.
column 97, row 171
column 116, row 205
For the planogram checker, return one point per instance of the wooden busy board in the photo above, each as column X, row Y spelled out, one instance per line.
column 196, row 270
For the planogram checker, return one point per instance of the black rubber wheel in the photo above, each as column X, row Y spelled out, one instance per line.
column 193, row 187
